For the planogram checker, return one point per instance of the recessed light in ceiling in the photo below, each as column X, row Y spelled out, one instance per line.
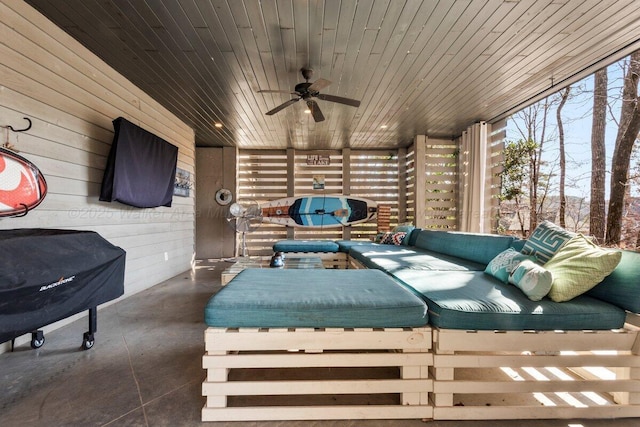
column 384, row 127
column 218, row 125
column 307, row 111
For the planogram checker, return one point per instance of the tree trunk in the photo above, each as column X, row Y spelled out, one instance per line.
column 563, row 161
column 598, row 156
column 627, row 135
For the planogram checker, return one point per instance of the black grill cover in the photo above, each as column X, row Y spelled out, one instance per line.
column 47, row 275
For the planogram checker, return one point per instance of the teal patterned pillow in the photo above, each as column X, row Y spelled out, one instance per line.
column 545, row 241
column 501, row 266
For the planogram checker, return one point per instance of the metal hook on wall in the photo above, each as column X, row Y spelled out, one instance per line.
column 20, row 130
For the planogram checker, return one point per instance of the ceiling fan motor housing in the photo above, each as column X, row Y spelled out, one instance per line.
column 303, row 90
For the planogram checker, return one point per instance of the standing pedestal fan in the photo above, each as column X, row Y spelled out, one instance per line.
column 244, row 218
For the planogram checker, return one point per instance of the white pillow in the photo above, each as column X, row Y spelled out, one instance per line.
column 535, row 281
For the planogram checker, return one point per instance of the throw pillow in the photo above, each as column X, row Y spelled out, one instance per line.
column 546, row 240
column 578, row 266
column 398, row 237
column 501, row 266
column 387, row 238
column 533, row 280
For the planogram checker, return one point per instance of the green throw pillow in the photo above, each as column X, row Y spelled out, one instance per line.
column 533, row 280
column 546, row 240
column 501, row 266
column 578, row 266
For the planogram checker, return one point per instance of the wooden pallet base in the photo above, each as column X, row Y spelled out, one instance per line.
column 329, row 259
column 310, row 374
column 536, row 374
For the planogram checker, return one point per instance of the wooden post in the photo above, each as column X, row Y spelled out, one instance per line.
column 291, row 179
column 420, row 148
column 346, row 184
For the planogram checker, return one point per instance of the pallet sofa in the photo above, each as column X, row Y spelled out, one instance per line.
column 494, row 352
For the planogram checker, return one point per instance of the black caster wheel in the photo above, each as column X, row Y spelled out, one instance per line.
column 37, row 339
column 88, row 341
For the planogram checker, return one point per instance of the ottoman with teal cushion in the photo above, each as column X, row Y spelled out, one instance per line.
column 305, row 246
column 273, row 298
column 321, row 344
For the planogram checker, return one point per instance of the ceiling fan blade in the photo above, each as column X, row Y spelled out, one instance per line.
column 282, row 106
column 319, row 84
column 276, row 91
column 315, row 110
column 339, row 99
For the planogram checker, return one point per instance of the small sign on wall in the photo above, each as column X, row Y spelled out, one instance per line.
column 318, row 182
column 183, row 183
column 318, row 160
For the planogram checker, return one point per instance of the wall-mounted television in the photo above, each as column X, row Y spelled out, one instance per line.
column 141, row 168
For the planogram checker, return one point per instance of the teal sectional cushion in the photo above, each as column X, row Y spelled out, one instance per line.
column 503, row 264
column 345, row 245
column 274, row 298
column 473, row 300
column 476, row 247
column 622, row 287
column 546, row 240
column 392, row 258
column 305, row 246
column 410, row 239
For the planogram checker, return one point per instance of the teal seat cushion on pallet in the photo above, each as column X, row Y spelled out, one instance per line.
column 472, row 300
column 274, row 298
column 305, row 246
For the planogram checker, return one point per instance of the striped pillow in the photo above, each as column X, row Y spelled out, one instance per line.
column 546, row 240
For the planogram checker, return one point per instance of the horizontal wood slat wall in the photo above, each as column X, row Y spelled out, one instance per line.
column 263, row 175
column 72, row 97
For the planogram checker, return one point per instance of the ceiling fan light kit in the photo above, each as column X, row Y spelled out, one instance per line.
column 307, row 91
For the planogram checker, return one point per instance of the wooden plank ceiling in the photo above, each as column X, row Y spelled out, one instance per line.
column 419, row 67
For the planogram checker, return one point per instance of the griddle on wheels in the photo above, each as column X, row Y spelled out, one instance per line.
column 48, row 275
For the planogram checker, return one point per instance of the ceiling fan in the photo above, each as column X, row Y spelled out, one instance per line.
column 307, row 91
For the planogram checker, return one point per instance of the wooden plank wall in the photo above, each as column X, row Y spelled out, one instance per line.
column 441, row 174
column 267, row 174
column 72, row 97
column 431, row 183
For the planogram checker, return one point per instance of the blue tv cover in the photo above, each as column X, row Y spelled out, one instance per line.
column 141, row 168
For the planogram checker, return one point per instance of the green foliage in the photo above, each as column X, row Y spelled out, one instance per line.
column 516, row 168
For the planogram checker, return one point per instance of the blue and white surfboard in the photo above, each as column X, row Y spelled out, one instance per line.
column 319, row 211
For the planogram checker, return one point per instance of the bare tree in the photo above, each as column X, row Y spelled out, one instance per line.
column 564, row 95
column 625, row 139
column 598, row 156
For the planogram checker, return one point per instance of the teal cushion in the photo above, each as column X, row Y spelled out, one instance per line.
column 476, row 247
column 274, row 298
column 518, row 244
column 503, row 264
column 345, row 245
column 546, row 240
column 392, row 258
column 476, row 301
column 403, row 227
column 622, row 286
column 305, row 246
column 410, row 239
